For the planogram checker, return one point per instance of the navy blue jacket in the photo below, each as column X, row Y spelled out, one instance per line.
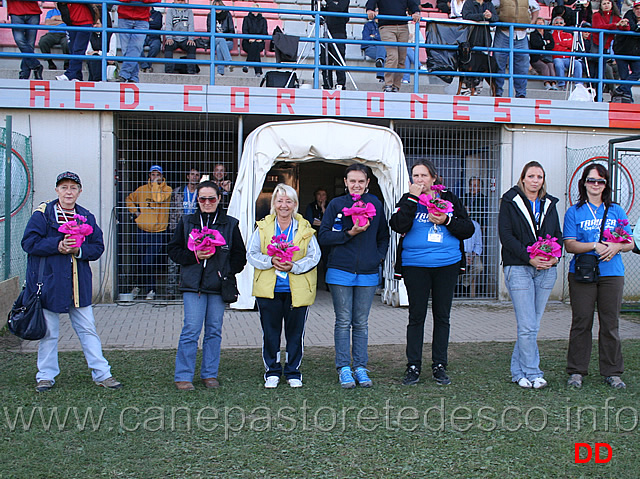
column 398, row 8
column 40, row 240
column 363, row 252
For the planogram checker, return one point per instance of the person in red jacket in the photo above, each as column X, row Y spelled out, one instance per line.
column 78, row 15
column 132, row 18
column 26, row 13
column 563, row 42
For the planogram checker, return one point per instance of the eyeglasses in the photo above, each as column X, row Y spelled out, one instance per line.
column 213, row 200
column 596, row 181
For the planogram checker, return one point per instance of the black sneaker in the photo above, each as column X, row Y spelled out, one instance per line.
column 440, row 375
column 379, row 63
column 412, row 376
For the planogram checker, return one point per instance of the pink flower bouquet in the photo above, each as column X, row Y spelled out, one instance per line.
column 281, row 248
column 619, row 234
column 77, row 228
column 205, row 240
column 360, row 211
column 547, row 248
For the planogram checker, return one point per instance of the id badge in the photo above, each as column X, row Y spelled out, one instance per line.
column 434, row 236
column 281, row 274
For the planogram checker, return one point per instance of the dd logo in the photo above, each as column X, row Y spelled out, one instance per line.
column 597, row 447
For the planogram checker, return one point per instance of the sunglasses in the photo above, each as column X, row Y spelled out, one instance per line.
column 213, row 200
column 596, row 181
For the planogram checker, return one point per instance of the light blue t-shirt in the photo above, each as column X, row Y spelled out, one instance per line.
column 580, row 225
column 344, row 278
column 282, row 280
column 427, row 246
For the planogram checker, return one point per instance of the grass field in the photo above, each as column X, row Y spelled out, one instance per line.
column 480, row 426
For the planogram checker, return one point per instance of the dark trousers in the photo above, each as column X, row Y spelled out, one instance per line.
column 155, row 45
column 78, row 42
column 440, row 284
column 190, row 51
column 330, row 54
column 52, row 39
column 607, row 295
column 272, row 312
column 152, row 253
column 253, row 50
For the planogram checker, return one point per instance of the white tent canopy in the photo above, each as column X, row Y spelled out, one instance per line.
column 334, row 141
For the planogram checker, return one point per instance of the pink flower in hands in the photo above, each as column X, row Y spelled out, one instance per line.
column 77, row 229
column 205, row 240
column 435, row 204
column 281, row 248
column 360, row 212
column 547, row 248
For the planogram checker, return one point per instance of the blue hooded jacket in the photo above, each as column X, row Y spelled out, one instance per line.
column 40, row 240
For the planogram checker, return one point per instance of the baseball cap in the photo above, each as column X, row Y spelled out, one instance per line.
column 68, row 175
column 636, row 4
column 157, row 168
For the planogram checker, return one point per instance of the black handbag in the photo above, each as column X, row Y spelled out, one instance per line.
column 586, row 269
column 229, row 289
column 26, row 318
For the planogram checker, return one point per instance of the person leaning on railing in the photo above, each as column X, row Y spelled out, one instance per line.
column 78, row 15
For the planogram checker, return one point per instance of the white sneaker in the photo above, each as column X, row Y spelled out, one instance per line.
column 151, row 295
column 135, row 292
column 62, row 77
column 294, row 383
column 272, row 382
column 539, row 383
column 524, row 383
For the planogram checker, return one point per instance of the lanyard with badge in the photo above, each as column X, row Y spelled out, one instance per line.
column 189, row 201
column 289, row 233
column 598, row 238
column 434, row 235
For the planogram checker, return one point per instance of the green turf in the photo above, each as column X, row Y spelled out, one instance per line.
column 480, row 426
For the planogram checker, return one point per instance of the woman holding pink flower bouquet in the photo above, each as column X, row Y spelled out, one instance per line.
column 209, row 248
column 596, row 228
column 284, row 252
column 530, row 233
column 433, row 223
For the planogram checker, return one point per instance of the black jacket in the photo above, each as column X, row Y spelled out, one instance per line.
column 516, row 227
column 628, row 44
column 362, row 253
column 254, row 24
column 401, row 222
column 227, row 260
column 399, row 8
column 541, row 42
column 337, row 24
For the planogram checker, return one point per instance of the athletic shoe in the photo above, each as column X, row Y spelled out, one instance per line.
column 406, row 81
column 62, row 77
column 547, row 86
column 271, row 382
column 362, row 378
column 295, row 383
column 575, row 381
column 151, row 295
column 379, row 63
column 412, row 376
column 539, row 383
column 346, row 378
column 387, row 89
column 440, row 375
column 109, row 383
column 615, row 382
column 44, row 385
column 554, row 87
column 525, row 383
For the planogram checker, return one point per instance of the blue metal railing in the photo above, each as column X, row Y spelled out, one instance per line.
column 316, row 38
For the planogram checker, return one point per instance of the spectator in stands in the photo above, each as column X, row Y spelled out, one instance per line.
column 224, row 24
column 456, row 7
column 473, row 254
column 476, row 202
column 153, row 41
column 132, row 18
column 411, row 53
column 628, row 45
column 542, row 39
column 79, row 15
column 254, row 24
column 150, row 204
column 371, row 32
column 26, row 13
column 394, row 31
column 226, row 186
column 332, row 53
column 514, row 11
column 606, row 18
column 563, row 42
column 582, row 12
column 95, row 48
column 54, row 37
column 179, row 20
column 184, row 201
column 479, row 36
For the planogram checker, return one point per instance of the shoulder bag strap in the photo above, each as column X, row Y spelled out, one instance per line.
column 40, row 275
column 604, row 220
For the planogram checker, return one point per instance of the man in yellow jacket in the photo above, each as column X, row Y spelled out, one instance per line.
column 150, row 204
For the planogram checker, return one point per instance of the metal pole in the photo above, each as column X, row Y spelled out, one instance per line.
column 7, row 198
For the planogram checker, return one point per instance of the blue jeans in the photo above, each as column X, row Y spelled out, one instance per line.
column 78, row 42
column 376, row 53
column 520, row 62
column 529, row 290
column 623, row 71
column 562, row 64
column 26, row 42
column 352, row 305
column 408, row 63
column 199, row 309
column 222, row 52
column 155, row 45
column 151, row 254
column 84, row 325
column 131, row 45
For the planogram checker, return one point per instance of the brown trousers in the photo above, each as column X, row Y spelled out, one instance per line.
column 607, row 294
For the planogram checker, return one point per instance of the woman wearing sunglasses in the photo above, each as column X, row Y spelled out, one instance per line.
column 583, row 234
column 200, row 282
column 284, row 285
